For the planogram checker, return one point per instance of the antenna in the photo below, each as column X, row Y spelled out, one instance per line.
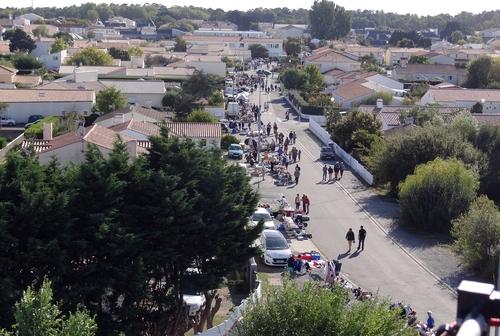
column 32, row 5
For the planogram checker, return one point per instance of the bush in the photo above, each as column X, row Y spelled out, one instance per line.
column 216, row 98
column 35, row 131
column 170, row 99
column 315, row 310
column 385, row 96
column 200, row 115
column 477, row 234
column 228, row 139
column 3, row 142
column 435, row 193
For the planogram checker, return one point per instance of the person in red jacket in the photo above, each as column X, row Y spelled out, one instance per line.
column 305, row 203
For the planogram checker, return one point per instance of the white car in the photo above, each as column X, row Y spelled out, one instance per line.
column 263, row 214
column 194, row 302
column 7, row 121
column 275, row 248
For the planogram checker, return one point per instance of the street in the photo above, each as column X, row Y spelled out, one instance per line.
column 383, row 267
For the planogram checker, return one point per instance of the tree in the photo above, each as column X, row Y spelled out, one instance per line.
column 292, row 46
column 329, row 21
column 203, row 116
column 420, row 59
column 36, row 314
column 475, row 39
column 456, row 36
column 488, row 141
column 41, row 31
column 477, row 234
column 478, row 73
column 58, row 45
column 367, row 60
column 180, row 45
column 216, row 98
column 343, row 129
column 315, row 82
column 120, row 54
column 20, row 41
column 315, row 310
column 294, row 79
column 109, row 100
column 403, row 153
column 227, row 140
column 422, row 116
column 67, row 38
column 26, row 63
column 170, row 99
column 157, row 60
column 258, row 51
column 90, row 35
column 435, row 193
column 477, row 108
column 135, row 51
column 406, row 43
column 201, row 85
column 92, row 15
column 91, row 56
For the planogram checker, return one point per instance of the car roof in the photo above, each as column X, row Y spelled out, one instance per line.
column 272, row 233
column 260, row 210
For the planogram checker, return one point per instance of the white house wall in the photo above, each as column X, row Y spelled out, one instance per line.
column 20, row 112
column 145, row 99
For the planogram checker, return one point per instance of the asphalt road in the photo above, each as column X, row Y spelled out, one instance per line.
column 383, row 267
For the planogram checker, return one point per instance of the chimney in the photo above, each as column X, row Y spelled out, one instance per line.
column 47, row 131
column 380, row 103
column 119, row 118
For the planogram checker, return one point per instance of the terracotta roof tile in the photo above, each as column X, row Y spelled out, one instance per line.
column 195, row 130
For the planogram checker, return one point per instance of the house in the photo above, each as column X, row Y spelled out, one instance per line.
column 32, row 17
column 441, row 45
column 225, row 32
column 7, row 74
column 212, row 65
column 120, row 22
column 463, row 56
column 138, row 113
column 105, row 33
column 439, row 58
column 4, row 48
column 429, row 73
column 100, row 70
column 431, row 34
column 72, row 146
column 204, row 134
column 466, row 98
column 360, row 51
column 27, row 81
column 334, row 59
column 25, row 102
column 494, row 44
column 148, row 93
column 491, row 33
column 51, row 29
column 285, row 31
column 377, row 37
column 168, row 72
column 395, row 56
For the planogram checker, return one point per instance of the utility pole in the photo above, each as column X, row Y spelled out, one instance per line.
column 497, row 329
column 261, row 163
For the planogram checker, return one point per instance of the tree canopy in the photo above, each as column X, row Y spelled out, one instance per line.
column 258, row 51
column 483, row 72
column 58, row 45
column 329, row 21
column 110, row 100
column 292, row 46
column 180, row 44
column 120, row 54
column 201, row 85
column 41, row 31
column 91, row 56
column 20, row 41
column 201, row 115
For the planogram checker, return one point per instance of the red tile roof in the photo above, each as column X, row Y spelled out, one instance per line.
column 194, row 129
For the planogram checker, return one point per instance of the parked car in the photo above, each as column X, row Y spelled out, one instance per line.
column 34, row 117
column 275, row 248
column 235, row 152
column 326, row 152
column 4, row 121
column 264, row 72
column 28, row 125
column 263, row 214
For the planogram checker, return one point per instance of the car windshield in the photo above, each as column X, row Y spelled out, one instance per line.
column 276, row 243
column 234, row 147
column 261, row 215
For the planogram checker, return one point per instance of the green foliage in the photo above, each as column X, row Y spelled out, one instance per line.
column 41, row 31
column 457, row 36
column 110, row 100
column 477, row 108
column 292, row 46
column 58, row 45
column 477, row 234
column 478, row 73
column 294, row 79
column 170, row 99
column 258, row 50
column 410, row 37
column 216, row 98
column 21, row 42
column 315, row 83
column 384, row 95
column 91, row 56
column 230, row 62
column 120, row 54
column 135, row 51
column 420, row 59
column 200, row 115
column 405, row 43
column 367, row 60
column 228, row 139
column 201, row 85
column 180, row 45
column 157, row 60
column 419, row 90
column 404, row 152
column 422, row 116
column 435, row 193
column 66, row 37
column 343, row 129
column 488, row 141
column 329, row 21
column 90, row 35
column 315, row 310
column 36, row 130
column 3, row 142
column 26, row 63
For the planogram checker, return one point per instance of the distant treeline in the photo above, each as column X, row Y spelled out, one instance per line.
column 159, row 14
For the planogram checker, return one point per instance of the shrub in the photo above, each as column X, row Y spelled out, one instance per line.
column 228, row 139
column 170, row 99
column 216, row 98
column 435, row 193
column 385, row 96
column 35, row 131
column 477, row 234
column 3, row 142
column 200, row 115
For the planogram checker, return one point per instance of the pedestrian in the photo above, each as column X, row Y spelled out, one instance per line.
column 361, row 238
column 325, row 170
column 297, row 202
column 330, row 172
column 294, row 154
column 287, row 115
column 286, row 162
column 430, row 320
column 290, row 136
column 249, row 126
column 296, row 174
column 336, row 169
column 294, row 136
column 268, row 129
column 342, row 168
column 298, row 154
column 350, row 238
column 275, row 127
column 305, row 203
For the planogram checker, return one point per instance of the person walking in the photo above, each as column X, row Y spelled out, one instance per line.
column 330, row 172
column 430, row 320
column 299, row 153
column 361, row 238
column 297, row 202
column 268, row 129
column 325, row 171
column 294, row 154
column 342, row 168
column 336, row 169
column 296, row 174
column 305, row 203
column 290, row 137
column 294, row 137
column 350, row 238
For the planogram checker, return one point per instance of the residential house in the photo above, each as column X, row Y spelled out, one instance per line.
column 169, row 72
column 105, row 33
column 221, row 25
column 439, row 58
column 491, row 33
column 204, row 134
column 441, row 45
column 51, row 61
column 395, row 56
column 32, row 17
column 148, row 93
column 25, row 102
column 377, row 37
column 494, row 44
column 101, row 70
column 212, row 65
column 463, row 56
column 466, row 98
column 137, row 113
column 226, row 33
column 285, row 31
column 431, row 34
column 7, row 74
column 430, row 73
column 120, row 22
column 360, row 51
column 51, row 29
column 27, row 81
column 330, row 59
column 4, row 48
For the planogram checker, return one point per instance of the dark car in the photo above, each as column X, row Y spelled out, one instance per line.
column 34, row 117
column 327, row 152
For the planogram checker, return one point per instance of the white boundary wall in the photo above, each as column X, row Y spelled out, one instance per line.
column 318, row 118
column 225, row 327
column 324, row 136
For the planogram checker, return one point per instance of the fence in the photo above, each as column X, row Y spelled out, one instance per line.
column 16, row 141
column 320, row 119
column 324, row 136
column 225, row 327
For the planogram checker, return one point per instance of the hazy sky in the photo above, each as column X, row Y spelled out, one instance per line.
column 421, row 7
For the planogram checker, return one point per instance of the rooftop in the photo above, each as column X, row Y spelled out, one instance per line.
column 457, row 94
column 45, row 95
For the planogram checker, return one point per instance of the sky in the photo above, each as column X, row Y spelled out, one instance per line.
column 420, row 7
